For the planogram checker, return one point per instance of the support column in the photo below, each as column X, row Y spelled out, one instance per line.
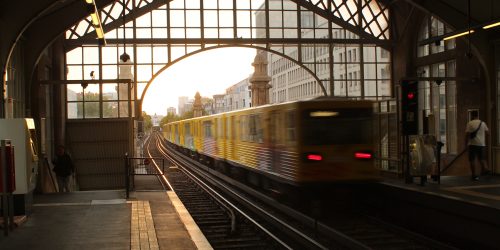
column 259, row 81
column 197, row 106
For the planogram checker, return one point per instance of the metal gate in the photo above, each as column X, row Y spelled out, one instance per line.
column 387, row 136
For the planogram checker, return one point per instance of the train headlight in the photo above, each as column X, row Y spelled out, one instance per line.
column 323, row 113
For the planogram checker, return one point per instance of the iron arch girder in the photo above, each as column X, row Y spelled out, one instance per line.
column 325, row 13
column 15, row 19
column 167, row 65
column 47, row 29
column 132, row 14
column 232, row 41
column 328, row 15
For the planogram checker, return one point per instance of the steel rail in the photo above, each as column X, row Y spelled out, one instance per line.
column 280, row 222
column 192, row 176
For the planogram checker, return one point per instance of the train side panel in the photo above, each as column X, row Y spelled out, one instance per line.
column 298, row 142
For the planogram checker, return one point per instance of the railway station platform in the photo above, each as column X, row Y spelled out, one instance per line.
column 456, row 210
column 152, row 219
column 484, row 192
column 106, row 220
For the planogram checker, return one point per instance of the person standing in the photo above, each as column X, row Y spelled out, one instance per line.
column 63, row 167
column 476, row 131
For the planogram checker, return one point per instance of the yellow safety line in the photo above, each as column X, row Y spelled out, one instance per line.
column 142, row 229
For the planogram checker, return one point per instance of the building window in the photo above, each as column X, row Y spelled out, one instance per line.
column 437, row 99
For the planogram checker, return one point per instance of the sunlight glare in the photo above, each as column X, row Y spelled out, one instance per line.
column 210, row 72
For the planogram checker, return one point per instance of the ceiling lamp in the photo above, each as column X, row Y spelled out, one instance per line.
column 96, row 21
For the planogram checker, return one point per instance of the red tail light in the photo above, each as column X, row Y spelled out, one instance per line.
column 363, row 155
column 314, row 157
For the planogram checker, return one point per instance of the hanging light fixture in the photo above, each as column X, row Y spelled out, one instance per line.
column 123, row 57
column 96, row 21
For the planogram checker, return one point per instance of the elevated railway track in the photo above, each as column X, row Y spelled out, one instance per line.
column 233, row 215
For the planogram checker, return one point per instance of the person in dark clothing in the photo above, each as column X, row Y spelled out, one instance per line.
column 63, row 167
column 476, row 132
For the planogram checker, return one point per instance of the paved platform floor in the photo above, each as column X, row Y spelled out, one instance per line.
column 106, row 220
column 484, row 192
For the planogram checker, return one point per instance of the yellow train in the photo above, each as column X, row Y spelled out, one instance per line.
column 298, row 143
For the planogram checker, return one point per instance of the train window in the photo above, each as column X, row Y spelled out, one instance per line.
column 252, row 128
column 216, row 124
column 176, row 132
column 207, row 129
column 187, row 129
column 220, row 128
column 243, row 126
column 233, row 129
column 290, row 126
column 273, row 117
column 255, row 129
column 229, row 128
column 347, row 126
column 275, row 127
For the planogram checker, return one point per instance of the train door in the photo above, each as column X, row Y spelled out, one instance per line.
column 188, row 138
column 221, row 137
column 275, row 138
column 233, row 137
column 176, row 133
column 216, row 137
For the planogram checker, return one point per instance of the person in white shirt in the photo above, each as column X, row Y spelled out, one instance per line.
column 476, row 131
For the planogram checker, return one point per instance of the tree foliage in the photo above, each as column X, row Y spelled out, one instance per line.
column 169, row 118
column 148, row 123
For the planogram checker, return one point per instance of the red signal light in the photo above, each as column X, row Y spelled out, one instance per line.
column 362, row 155
column 314, row 157
column 411, row 95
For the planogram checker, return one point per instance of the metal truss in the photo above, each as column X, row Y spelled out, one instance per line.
column 367, row 19
column 311, row 33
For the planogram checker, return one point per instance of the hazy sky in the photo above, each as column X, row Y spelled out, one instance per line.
column 209, row 72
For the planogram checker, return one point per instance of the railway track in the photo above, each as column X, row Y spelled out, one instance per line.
column 215, row 220
column 221, row 225
column 224, row 230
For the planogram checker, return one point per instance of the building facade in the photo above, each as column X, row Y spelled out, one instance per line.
column 171, row 110
column 238, row 96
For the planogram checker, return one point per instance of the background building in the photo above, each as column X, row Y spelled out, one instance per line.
column 219, row 104
column 185, row 104
column 171, row 110
column 238, row 96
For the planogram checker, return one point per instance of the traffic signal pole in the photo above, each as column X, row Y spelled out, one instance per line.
column 409, row 120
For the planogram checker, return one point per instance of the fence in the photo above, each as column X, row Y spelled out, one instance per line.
column 141, row 166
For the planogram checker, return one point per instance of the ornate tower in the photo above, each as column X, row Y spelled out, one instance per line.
column 259, row 81
column 197, row 106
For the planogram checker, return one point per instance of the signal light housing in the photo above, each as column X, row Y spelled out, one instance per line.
column 409, row 107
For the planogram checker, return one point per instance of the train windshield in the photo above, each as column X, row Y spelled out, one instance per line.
column 337, row 126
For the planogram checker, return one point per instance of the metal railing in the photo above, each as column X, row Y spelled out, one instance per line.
column 141, row 166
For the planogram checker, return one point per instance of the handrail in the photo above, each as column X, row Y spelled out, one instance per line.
column 452, row 161
column 47, row 164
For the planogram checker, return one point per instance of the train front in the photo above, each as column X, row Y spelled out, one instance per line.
column 336, row 142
